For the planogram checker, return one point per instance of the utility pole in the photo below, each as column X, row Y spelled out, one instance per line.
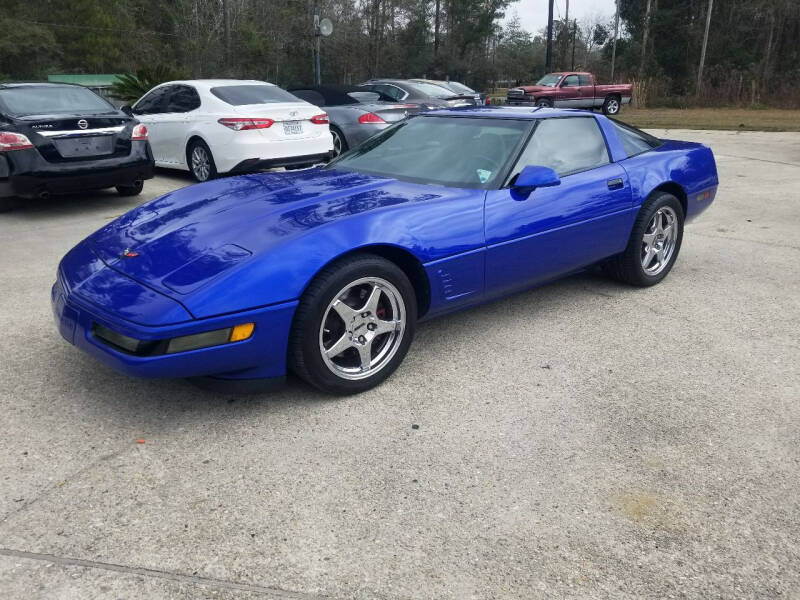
column 644, row 39
column 436, row 28
column 705, row 44
column 548, row 61
column 226, row 29
column 564, row 47
column 317, row 73
column 574, row 34
column 614, row 46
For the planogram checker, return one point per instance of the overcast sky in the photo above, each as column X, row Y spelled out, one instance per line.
column 533, row 13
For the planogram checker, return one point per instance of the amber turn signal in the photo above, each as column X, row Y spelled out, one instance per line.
column 242, row 332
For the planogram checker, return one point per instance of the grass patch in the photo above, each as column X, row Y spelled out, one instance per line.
column 738, row 119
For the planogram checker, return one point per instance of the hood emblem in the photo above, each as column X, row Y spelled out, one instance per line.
column 128, row 253
column 83, row 123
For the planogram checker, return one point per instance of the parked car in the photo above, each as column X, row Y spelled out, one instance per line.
column 481, row 99
column 428, row 95
column 354, row 114
column 216, row 126
column 57, row 138
column 327, row 271
column 572, row 90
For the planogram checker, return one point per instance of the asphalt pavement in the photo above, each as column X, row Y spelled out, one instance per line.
column 581, row 440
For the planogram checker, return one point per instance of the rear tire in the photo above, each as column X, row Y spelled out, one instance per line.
column 339, row 142
column 654, row 243
column 612, row 105
column 131, row 190
column 8, row 203
column 353, row 326
column 544, row 103
column 201, row 161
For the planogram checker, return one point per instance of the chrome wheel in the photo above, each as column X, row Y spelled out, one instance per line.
column 362, row 328
column 201, row 163
column 658, row 242
column 543, row 104
column 337, row 142
column 612, row 106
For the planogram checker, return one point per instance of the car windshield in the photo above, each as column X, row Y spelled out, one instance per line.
column 452, row 151
column 429, row 90
column 240, row 95
column 52, row 100
column 460, row 88
column 550, row 80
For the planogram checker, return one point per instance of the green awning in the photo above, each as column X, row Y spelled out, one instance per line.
column 91, row 81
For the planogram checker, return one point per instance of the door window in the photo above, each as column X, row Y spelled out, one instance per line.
column 567, row 146
column 571, row 81
column 152, row 102
column 182, row 98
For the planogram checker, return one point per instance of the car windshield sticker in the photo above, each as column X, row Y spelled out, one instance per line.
column 484, row 175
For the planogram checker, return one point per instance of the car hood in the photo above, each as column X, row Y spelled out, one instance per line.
column 534, row 89
column 184, row 240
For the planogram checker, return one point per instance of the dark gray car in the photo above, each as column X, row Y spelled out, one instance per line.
column 458, row 88
column 355, row 113
column 429, row 95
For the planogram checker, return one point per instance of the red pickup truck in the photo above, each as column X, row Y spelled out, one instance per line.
column 571, row 90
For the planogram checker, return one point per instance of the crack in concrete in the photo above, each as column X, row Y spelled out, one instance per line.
column 168, row 575
column 737, row 239
column 45, row 492
column 774, row 162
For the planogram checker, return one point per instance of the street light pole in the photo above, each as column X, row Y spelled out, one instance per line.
column 548, row 62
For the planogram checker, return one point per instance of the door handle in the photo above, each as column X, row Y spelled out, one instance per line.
column 615, row 184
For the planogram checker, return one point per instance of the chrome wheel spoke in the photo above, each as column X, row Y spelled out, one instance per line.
column 648, row 239
column 342, row 344
column 344, row 311
column 365, row 355
column 386, row 326
column 371, row 305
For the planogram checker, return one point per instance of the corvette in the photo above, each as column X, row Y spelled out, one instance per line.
column 326, row 272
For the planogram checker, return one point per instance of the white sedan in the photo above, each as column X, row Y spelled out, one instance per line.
column 211, row 126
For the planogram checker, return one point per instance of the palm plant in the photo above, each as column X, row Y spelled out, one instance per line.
column 129, row 88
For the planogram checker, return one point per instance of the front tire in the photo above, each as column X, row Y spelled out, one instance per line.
column 353, row 326
column 544, row 103
column 201, row 161
column 131, row 190
column 654, row 243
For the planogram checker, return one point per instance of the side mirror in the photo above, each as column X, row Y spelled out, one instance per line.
column 127, row 110
column 533, row 176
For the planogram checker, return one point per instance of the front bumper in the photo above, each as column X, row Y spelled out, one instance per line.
column 261, row 356
column 26, row 174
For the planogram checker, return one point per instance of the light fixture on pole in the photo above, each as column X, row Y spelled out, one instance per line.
column 322, row 27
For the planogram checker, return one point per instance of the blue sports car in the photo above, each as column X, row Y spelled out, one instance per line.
column 326, row 272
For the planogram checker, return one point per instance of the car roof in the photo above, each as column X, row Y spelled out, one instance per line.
column 37, row 84
column 209, row 83
column 511, row 112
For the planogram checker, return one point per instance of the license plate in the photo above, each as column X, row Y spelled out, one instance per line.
column 292, row 127
column 84, row 146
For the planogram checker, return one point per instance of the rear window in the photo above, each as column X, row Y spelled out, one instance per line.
column 460, row 88
column 239, row 95
column 634, row 140
column 430, row 90
column 52, row 100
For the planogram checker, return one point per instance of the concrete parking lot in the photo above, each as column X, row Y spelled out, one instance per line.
column 584, row 439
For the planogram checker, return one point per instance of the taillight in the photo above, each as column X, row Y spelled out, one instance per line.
column 139, row 133
column 368, row 118
column 13, row 141
column 241, row 124
column 320, row 119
